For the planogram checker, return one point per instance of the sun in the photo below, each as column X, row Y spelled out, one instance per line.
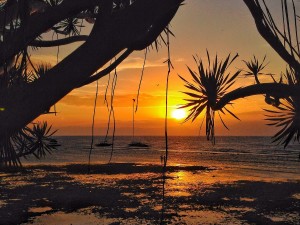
column 178, row 114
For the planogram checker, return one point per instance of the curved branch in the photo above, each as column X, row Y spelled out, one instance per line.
column 154, row 31
column 273, row 89
column 143, row 32
column 64, row 41
column 108, row 69
column 39, row 23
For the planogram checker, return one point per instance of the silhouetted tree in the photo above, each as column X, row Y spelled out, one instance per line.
column 119, row 28
column 209, row 88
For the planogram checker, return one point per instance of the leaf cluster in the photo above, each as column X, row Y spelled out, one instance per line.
column 255, row 68
column 286, row 116
column 69, row 26
column 208, row 86
column 36, row 140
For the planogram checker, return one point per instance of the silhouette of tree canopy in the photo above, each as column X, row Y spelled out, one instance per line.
column 208, row 90
column 119, row 28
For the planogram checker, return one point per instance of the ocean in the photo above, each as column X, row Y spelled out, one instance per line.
column 254, row 154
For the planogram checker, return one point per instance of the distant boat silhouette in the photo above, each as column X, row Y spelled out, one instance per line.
column 54, row 143
column 103, row 144
column 138, row 144
column 135, row 143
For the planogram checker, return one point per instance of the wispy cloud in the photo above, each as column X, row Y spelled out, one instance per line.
column 137, row 63
column 125, row 100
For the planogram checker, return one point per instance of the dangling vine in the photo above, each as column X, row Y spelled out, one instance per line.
column 164, row 159
column 112, row 112
column 105, row 95
column 141, row 79
column 93, row 124
column 170, row 66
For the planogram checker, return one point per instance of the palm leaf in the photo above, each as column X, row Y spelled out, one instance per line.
column 213, row 82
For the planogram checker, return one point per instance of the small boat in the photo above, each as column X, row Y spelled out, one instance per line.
column 54, row 143
column 135, row 143
column 138, row 144
column 103, row 144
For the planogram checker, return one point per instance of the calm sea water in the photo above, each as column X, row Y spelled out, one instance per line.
column 255, row 153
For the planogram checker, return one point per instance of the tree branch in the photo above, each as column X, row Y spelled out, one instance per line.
column 108, row 69
column 59, row 42
column 273, row 89
column 266, row 33
column 39, row 23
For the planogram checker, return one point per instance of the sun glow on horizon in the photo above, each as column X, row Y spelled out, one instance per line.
column 178, row 114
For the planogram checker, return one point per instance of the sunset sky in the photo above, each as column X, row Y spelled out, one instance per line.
column 220, row 26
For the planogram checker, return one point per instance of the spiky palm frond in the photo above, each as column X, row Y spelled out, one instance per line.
column 16, row 76
column 41, row 136
column 69, row 26
column 36, row 141
column 286, row 116
column 207, row 88
column 255, row 68
column 38, row 71
column 53, row 2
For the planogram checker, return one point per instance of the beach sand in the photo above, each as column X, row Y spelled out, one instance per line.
column 133, row 194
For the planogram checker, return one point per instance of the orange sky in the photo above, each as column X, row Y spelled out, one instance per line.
column 221, row 27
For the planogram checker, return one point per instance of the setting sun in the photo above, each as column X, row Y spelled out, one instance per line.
column 178, row 114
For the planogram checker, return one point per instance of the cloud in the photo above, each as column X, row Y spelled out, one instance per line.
column 124, row 100
column 137, row 63
column 179, row 60
column 78, row 100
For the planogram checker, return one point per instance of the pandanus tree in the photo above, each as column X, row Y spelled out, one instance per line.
column 119, row 27
column 209, row 88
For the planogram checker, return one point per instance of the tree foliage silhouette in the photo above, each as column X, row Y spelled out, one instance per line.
column 26, row 91
column 209, row 88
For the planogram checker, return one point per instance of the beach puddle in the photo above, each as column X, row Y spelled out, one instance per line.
column 2, row 203
column 291, row 218
column 105, row 180
column 62, row 218
column 243, row 199
column 276, row 219
column 130, row 209
column 127, row 194
column 208, row 217
column 240, row 209
column 157, row 208
column 82, row 217
column 39, row 209
column 178, row 193
column 296, row 196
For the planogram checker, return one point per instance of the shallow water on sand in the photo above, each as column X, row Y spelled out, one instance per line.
column 256, row 155
column 245, row 180
column 133, row 194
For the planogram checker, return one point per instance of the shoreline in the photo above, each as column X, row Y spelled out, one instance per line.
column 127, row 193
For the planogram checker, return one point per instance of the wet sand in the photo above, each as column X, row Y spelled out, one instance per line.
column 133, row 194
